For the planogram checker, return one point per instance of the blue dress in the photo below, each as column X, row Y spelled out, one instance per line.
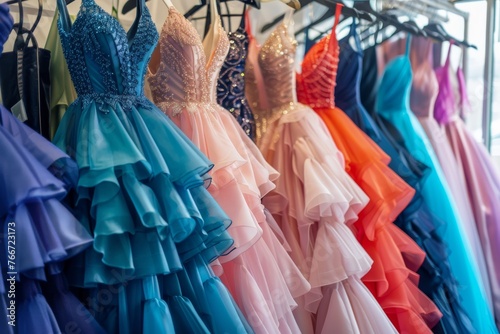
column 436, row 279
column 141, row 190
column 393, row 104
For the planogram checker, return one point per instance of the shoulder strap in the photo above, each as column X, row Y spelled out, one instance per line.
column 448, row 56
column 355, row 35
column 333, row 34
column 408, row 44
column 64, row 15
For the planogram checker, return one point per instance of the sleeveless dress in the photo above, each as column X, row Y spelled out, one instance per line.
column 62, row 92
column 315, row 201
column 481, row 175
column 141, row 187
column 416, row 220
column 392, row 281
column 231, row 82
column 184, row 88
column 393, row 104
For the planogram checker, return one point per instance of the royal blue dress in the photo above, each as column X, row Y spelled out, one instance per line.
column 141, row 190
column 393, row 104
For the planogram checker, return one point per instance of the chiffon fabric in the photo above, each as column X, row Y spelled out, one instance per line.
column 480, row 173
column 392, row 281
column 141, row 190
column 259, row 273
column 393, row 104
column 315, row 201
column 416, row 220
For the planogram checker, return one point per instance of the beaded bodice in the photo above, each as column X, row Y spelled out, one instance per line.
column 277, row 66
column 395, row 85
column 103, row 58
column 188, row 71
column 231, row 83
column 317, row 80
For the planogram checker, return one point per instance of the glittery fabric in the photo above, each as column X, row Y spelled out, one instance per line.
column 82, row 45
column 231, row 83
column 186, row 76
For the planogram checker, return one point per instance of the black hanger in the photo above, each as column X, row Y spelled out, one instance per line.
column 203, row 3
column 346, row 11
column 438, row 28
column 252, row 3
column 127, row 7
column 12, row 2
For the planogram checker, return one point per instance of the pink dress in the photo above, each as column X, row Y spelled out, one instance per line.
column 315, row 200
column 259, row 273
column 481, row 176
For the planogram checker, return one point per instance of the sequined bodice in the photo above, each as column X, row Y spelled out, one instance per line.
column 231, row 83
column 277, row 66
column 103, row 58
column 317, row 80
column 395, row 85
column 186, row 74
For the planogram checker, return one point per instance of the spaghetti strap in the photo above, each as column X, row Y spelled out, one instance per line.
column 447, row 62
column 408, row 44
column 333, row 34
column 355, row 35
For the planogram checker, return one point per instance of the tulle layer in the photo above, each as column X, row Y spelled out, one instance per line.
column 351, row 309
column 314, row 203
column 264, row 282
column 392, row 278
column 46, row 153
column 143, row 183
column 319, row 198
column 30, row 205
column 240, row 176
column 259, row 273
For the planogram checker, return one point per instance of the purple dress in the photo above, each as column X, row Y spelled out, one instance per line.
column 35, row 178
column 482, row 178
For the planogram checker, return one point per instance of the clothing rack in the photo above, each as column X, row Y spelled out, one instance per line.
column 434, row 5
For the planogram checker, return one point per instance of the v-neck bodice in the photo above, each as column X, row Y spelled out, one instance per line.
column 102, row 57
column 187, row 73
